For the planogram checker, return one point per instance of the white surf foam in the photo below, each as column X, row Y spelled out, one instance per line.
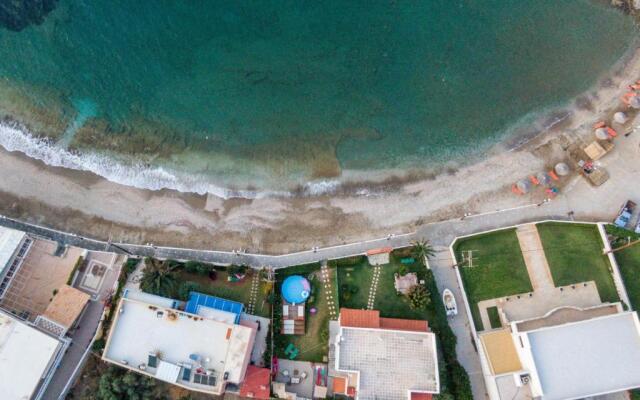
column 125, row 172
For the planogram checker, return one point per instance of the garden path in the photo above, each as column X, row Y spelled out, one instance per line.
column 325, row 277
column 374, row 286
column 255, row 283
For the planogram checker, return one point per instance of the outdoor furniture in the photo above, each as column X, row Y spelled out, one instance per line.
column 291, row 351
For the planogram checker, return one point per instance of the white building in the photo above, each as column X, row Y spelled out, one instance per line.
column 546, row 359
column 28, row 358
column 14, row 245
column 202, row 351
column 383, row 358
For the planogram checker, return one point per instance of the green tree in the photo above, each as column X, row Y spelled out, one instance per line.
column 197, row 267
column 418, row 297
column 117, row 383
column 422, row 249
column 186, row 288
column 159, row 277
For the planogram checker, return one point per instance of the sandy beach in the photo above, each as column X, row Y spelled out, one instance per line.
column 89, row 205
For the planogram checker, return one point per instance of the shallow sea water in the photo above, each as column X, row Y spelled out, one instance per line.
column 202, row 94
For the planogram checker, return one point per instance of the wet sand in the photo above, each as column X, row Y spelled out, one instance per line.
column 89, row 205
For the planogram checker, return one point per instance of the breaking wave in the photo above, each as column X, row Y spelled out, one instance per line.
column 14, row 137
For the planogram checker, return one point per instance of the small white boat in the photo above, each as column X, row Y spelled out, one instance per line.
column 449, row 301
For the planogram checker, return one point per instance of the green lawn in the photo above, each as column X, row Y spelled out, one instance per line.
column 354, row 283
column 388, row 302
column 236, row 291
column 629, row 264
column 498, row 268
column 494, row 318
column 574, row 254
column 313, row 345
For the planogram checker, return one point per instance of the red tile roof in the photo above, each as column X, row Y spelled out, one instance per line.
column 339, row 385
column 359, row 318
column 256, row 383
column 371, row 319
column 404, row 324
column 421, row 396
column 379, row 251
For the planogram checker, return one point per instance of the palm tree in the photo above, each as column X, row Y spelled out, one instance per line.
column 159, row 277
column 422, row 249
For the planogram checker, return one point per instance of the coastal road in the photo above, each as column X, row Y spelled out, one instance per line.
column 439, row 233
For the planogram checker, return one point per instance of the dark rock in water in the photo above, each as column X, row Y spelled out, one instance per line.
column 16, row 15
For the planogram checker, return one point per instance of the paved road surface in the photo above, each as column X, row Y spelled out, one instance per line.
column 439, row 233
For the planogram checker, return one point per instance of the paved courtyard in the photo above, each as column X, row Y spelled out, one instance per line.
column 41, row 273
column 289, row 369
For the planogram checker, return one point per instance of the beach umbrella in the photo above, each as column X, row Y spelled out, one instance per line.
column 634, row 102
column 543, row 178
column 562, row 169
column 620, row 117
column 602, row 134
column 524, row 185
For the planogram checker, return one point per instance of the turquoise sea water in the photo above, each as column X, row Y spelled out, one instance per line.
column 272, row 93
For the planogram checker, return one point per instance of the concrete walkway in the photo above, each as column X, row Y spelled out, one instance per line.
column 534, row 257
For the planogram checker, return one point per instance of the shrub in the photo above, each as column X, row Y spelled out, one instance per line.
column 117, row 383
column 197, row 267
column 186, row 288
column 98, row 345
column 131, row 264
column 460, row 381
column 402, row 270
column 324, row 334
column 418, row 297
column 237, row 269
column 349, row 261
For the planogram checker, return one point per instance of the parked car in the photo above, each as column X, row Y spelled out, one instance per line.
column 624, row 216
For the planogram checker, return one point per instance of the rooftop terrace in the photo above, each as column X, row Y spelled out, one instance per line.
column 192, row 351
column 390, row 363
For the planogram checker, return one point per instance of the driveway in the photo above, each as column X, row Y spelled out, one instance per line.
column 445, row 276
column 73, row 360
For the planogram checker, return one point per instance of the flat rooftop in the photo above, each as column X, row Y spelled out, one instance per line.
column 25, row 357
column 587, row 358
column 179, row 339
column 390, row 362
column 501, row 352
column 9, row 241
column 66, row 306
